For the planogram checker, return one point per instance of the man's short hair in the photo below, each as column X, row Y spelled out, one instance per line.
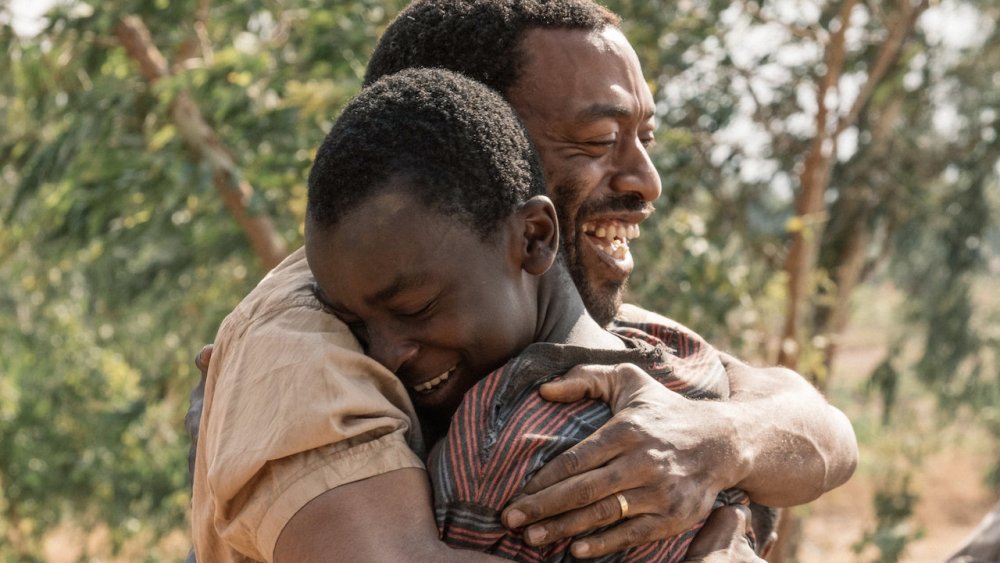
column 478, row 38
column 454, row 143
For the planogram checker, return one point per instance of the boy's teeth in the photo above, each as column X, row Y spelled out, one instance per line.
column 428, row 385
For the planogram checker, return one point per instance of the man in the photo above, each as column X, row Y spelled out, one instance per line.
column 277, row 475
column 429, row 234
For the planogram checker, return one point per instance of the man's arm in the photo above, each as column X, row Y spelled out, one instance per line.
column 193, row 417
column 383, row 518
column 776, row 438
column 799, row 445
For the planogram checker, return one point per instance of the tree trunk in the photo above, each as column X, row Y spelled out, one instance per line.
column 807, row 227
column 810, row 207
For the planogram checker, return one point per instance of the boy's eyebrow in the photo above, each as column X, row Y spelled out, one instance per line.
column 398, row 284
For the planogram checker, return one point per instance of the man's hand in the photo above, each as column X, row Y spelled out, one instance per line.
column 667, row 455
column 723, row 538
column 193, row 417
column 775, row 438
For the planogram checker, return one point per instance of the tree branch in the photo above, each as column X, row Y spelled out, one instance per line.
column 236, row 192
column 888, row 56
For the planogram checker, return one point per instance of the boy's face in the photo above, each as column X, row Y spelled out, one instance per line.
column 425, row 296
column 589, row 111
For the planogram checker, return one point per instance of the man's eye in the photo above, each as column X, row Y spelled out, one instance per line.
column 648, row 141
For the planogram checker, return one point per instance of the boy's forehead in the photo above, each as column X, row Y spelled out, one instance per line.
column 393, row 233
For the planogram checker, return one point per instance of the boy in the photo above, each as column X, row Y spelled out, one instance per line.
column 429, row 235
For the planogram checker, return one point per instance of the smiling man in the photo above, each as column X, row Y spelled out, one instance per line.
column 430, row 235
column 305, row 439
column 592, row 136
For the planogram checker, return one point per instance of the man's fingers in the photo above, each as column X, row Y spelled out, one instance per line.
column 580, row 382
column 725, row 527
column 629, row 533
column 576, row 491
column 575, row 522
column 203, row 358
column 616, row 385
column 592, row 452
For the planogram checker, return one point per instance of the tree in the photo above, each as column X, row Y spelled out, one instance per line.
column 133, row 134
column 808, row 148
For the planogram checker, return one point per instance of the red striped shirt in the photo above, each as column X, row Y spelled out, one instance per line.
column 504, row 431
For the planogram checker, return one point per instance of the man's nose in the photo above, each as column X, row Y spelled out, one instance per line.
column 635, row 172
column 392, row 351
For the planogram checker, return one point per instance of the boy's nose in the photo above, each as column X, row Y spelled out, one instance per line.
column 391, row 352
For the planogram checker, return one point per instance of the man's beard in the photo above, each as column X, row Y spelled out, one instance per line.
column 602, row 299
column 602, row 303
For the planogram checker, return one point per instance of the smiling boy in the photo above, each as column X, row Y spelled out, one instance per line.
column 301, row 429
column 430, row 236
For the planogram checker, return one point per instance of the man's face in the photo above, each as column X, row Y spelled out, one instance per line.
column 424, row 295
column 589, row 111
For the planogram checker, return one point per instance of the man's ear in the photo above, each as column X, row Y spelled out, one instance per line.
column 540, row 235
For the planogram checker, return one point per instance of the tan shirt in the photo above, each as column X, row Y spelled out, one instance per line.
column 293, row 408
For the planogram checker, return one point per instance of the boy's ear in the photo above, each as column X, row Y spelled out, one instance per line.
column 540, row 229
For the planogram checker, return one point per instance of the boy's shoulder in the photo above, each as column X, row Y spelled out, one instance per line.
column 682, row 341
column 696, row 362
column 630, row 314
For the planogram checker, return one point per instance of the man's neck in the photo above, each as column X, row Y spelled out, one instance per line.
column 562, row 317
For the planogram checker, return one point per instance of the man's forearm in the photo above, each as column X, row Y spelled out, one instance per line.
column 797, row 445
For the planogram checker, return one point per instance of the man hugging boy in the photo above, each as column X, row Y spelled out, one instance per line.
column 430, row 235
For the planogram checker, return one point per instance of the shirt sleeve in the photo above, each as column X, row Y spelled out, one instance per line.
column 293, row 408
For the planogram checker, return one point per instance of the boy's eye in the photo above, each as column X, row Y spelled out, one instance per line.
column 419, row 311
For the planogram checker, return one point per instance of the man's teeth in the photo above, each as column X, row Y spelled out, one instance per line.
column 614, row 236
column 428, row 385
column 610, row 231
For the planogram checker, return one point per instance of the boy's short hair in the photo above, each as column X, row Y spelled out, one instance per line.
column 457, row 145
column 478, row 38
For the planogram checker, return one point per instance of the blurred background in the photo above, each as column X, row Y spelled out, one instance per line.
column 831, row 195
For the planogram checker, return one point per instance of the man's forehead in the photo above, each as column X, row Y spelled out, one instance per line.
column 573, row 43
column 581, row 74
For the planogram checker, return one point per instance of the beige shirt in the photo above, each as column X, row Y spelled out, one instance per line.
column 293, row 408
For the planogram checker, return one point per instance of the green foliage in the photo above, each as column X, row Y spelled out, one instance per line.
column 894, row 504
column 119, row 259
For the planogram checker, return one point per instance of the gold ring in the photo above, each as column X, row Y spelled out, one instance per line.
column 623, row 503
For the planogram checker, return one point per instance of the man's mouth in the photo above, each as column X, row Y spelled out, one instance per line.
column 612, row 236
column 430, row 385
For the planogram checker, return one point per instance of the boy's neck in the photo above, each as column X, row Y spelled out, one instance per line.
column 563, row 318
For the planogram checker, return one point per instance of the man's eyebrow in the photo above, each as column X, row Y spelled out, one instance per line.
column 595, row 112
column 399, row 284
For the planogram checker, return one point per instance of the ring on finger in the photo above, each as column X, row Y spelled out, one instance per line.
column 623, row 503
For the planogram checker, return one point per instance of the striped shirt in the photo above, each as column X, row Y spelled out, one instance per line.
column 504, row 431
